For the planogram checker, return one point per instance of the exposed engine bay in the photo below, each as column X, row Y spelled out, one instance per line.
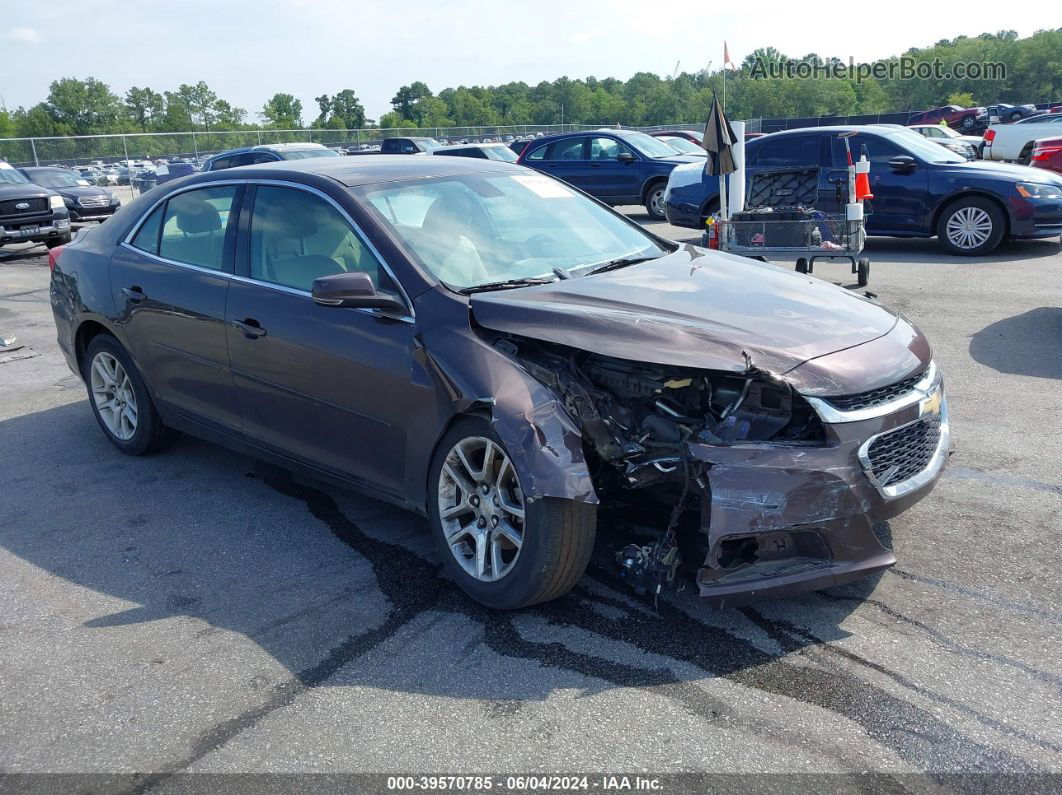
column 637, row 423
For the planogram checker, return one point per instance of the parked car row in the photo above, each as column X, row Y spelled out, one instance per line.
column 920, row 189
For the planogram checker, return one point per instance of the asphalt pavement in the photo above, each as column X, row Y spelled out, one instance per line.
column 198, row 611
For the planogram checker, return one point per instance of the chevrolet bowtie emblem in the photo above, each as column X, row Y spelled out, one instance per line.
column 931, row 405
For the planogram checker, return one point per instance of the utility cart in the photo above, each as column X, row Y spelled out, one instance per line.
column 781, row 224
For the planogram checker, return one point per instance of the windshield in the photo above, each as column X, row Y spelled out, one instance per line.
column 684, row 146
column 479, row 229
column 429, row 144
column 646, row 144
column 923, row 148
column 303, row 154
column 58, row 179
column 9, row 175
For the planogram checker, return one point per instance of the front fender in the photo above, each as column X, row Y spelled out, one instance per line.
column 543, row 441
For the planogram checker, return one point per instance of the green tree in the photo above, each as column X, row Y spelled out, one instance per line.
column 403, row 100
column 200, row 103
column 145, row 107
column 348, row 108
column 84, row 107
column 283, row 112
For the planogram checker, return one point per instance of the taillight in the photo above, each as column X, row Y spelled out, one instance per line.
column 1046, row 152
column 990, row 136
column 53, row 257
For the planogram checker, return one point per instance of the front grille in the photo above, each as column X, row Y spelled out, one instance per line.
column 875, row 397
column 8, row 206
column 901, row 454
column 95, row 201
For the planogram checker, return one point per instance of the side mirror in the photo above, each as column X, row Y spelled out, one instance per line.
column 902, row 163
column 354, row 290
column 626, row 157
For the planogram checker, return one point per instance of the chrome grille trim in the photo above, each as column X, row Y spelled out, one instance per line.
column 924, row 387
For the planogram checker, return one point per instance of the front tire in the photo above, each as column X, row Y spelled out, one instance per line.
column 654, row 201
column 505, row 552
column 120, row 400
column 971, row 227
column 62, row 241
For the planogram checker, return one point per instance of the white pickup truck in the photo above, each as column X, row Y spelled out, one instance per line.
column 1015, row 141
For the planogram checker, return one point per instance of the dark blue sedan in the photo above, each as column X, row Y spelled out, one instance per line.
column 615, row 166
column 920, row 189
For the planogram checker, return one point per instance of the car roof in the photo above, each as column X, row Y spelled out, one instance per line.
column 494, row 144
column 355, row 171
column 48, row 168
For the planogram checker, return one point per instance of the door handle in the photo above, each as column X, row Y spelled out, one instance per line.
column 249, row 328
column 135, row 293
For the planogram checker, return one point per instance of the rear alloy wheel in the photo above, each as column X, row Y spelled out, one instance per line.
column 654, row 201
column 120, row 399
column 503, row 550
column 971, row 227
column 113, row 395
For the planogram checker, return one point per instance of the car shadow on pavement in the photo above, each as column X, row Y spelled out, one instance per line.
column 345, row 590
column 1025, row 344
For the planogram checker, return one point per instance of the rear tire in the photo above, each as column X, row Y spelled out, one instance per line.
column 556, row 535
column 971, row 227
column 120, row 399
column 654, row 201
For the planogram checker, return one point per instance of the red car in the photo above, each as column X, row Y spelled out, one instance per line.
column 956, row 116
column 1047, row 153
column 689, row 135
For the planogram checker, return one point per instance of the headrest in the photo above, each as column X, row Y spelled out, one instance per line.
column 196, row 215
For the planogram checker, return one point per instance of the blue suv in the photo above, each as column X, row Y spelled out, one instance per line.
column 615, row 166
column 920, row 188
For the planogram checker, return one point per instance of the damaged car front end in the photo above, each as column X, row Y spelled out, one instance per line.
column 771, row 480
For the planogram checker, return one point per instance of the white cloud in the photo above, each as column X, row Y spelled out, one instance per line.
column 22, row 36
column 584, row 38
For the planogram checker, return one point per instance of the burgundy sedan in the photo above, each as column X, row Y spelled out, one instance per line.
column 1047, row 153
column 515, row 361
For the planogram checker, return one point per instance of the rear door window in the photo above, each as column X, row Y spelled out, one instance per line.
column 194, row 226
column 568, row 149
column 790, row 150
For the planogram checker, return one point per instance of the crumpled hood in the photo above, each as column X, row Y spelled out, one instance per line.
column 692, row 308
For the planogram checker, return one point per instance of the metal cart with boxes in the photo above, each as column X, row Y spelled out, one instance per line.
column 781, row 222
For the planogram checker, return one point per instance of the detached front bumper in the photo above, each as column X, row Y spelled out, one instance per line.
column 785, row 520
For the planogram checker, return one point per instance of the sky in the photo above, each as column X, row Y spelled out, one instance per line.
column 248, row 51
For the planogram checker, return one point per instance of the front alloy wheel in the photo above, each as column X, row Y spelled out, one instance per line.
column 481, row 508
column 503, row 547
column 113, row 394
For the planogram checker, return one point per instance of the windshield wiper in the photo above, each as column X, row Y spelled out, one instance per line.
column 508, row 284
column 622, row 262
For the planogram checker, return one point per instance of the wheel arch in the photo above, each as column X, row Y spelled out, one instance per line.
column 970, row 194
column 87, row 331
column 651, row 183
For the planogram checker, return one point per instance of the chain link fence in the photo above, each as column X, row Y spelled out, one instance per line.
column 84, row 149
